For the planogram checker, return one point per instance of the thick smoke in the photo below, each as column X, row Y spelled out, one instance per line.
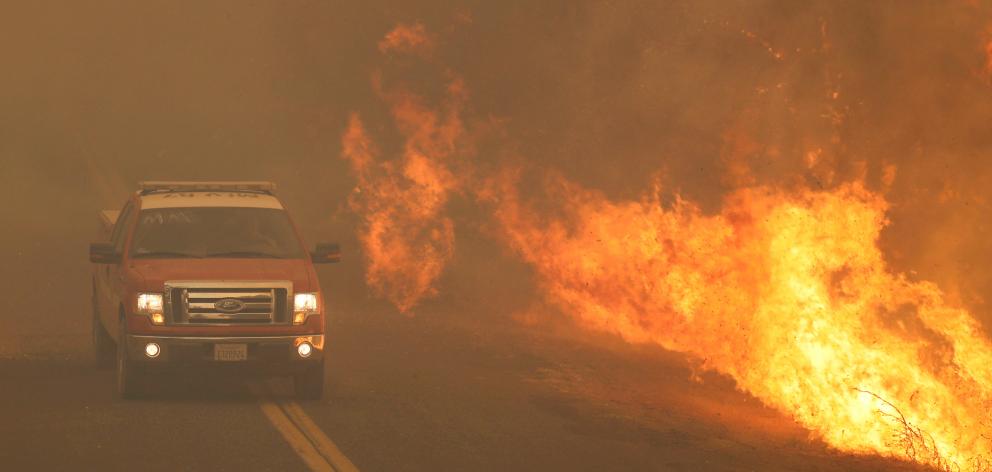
column 704, row 97
column 607, row 93
column 713, row 96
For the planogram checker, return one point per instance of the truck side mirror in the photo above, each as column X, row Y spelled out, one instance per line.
column 326, row 253
column 104, row 253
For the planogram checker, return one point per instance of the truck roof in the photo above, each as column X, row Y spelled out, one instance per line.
column 210, row 198
column 147, row 187
column 190, row 194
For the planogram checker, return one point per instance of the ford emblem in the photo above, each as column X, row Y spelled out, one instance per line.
column 229, row 305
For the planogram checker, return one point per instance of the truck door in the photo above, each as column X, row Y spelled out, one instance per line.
column 109, row 282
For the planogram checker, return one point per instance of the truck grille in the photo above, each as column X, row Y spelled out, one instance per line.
column 226, row 303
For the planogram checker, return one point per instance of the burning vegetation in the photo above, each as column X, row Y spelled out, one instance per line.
column 405, row 234
column 784, row 288
column 786, row 293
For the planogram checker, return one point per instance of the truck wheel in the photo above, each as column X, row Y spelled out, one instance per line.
column 310, row 384
column 103, row 345
column 130, row 382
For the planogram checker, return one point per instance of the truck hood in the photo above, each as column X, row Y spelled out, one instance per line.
column 156, row 272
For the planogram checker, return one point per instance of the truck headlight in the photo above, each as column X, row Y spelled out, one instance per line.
column 304, row 305
column 150, row 305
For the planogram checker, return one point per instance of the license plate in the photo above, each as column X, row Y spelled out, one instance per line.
column 230, row 352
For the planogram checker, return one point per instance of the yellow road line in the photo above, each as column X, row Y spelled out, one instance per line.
column 323, row 443
column 295, row 438
column 302, row 434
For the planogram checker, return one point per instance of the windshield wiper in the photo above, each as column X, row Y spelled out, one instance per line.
column 165, row 254
column 245, row 254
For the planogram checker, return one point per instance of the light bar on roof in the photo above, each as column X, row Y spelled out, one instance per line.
column 257, row 186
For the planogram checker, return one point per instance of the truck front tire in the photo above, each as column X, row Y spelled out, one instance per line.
column 310, row 384
column 130, row 383
column 103, row 345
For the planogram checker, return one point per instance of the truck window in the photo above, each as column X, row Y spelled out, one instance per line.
column 215, row 233
column 123, row 222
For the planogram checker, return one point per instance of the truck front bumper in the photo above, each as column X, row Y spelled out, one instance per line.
column 266, row 354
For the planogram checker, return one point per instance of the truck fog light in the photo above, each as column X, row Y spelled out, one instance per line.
column 152, row 350
column 304, row 350
column 158, row 318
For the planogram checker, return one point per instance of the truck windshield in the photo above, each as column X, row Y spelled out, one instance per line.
column 215, row 232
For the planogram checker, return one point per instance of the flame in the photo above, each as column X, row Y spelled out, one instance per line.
column 405, row 235
column 786, row 293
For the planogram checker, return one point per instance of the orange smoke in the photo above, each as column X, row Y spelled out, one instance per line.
column 986, row 46
column 988, row 58
column 407, row 39
column 786, row 293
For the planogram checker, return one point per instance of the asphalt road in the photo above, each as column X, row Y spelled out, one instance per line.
column 462, row 385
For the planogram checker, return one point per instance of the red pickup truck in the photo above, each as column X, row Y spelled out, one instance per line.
column 215, row 274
